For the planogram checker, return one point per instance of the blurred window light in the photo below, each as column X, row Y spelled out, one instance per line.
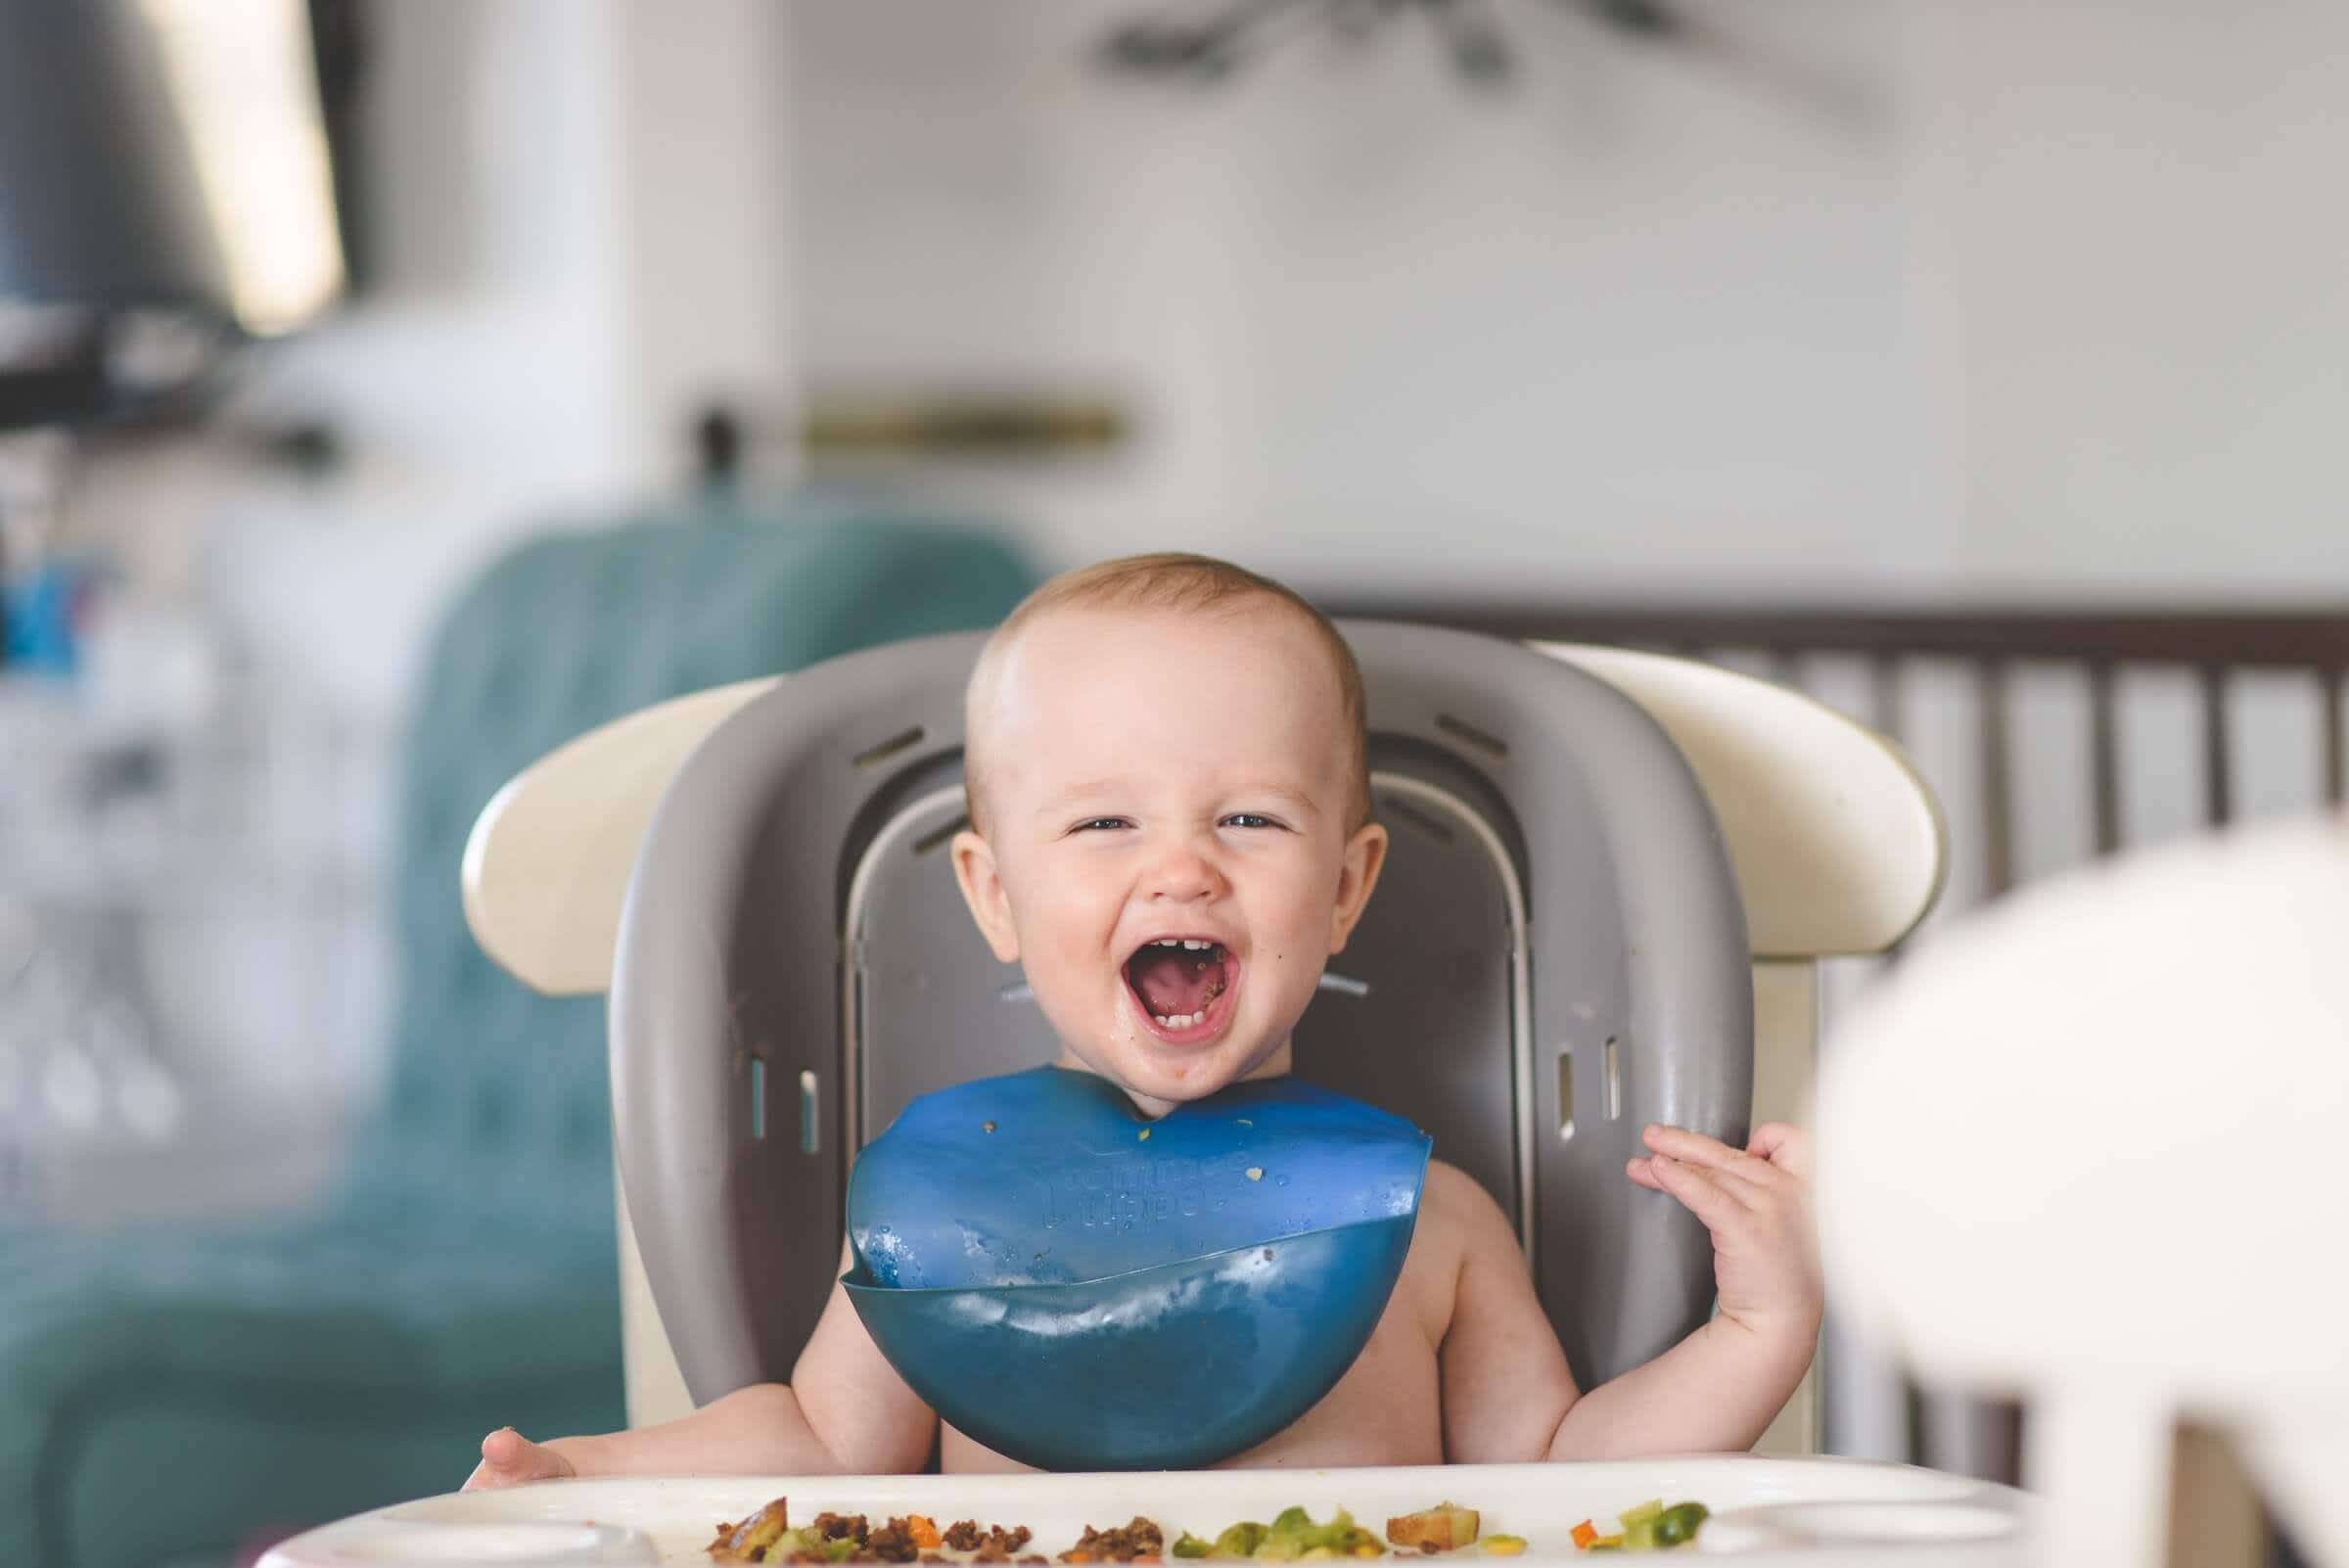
column 168, row 155
column 241, row 80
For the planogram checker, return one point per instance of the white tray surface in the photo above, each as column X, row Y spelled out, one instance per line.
column 1772, row 1513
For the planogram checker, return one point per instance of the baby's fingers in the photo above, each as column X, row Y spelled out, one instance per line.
column 1698, row 1190
column 1693, row 1147
column 508, row 1460
column 1784, row 1146
column 1733, row 1169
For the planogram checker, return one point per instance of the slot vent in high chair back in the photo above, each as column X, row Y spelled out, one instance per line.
column 1557, row 887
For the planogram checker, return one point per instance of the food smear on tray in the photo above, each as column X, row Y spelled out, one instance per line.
column 1292, row 1536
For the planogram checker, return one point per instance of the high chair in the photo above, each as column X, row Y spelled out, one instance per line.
column 1612, row 877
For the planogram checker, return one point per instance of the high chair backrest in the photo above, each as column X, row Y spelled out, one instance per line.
column 1559, row 954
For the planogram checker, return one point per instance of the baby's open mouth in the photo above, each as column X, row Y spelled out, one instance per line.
column 1178, row 980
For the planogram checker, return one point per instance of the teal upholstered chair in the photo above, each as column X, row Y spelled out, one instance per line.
column 164, row 1395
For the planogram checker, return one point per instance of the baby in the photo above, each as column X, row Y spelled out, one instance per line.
column 1170, row 745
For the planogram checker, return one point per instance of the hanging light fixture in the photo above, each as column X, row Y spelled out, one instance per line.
column 1212, row 47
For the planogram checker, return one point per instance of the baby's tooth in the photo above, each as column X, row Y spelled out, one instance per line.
column 1164, row 1022
column 1193, row 946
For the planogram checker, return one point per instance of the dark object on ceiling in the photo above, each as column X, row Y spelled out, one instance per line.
column 1213, row 46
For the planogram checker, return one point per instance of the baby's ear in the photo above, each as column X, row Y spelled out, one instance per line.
column 983, row 889
column 1357, row 874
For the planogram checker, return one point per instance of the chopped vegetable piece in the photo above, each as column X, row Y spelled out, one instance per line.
column 1585, row 1533
column 924, row 1531
column 1678, row 1523
column 752, row 1539
column 1295, row 1538
column 1640, row 1525
column 1241, row 1540
column 1503, row 1546
column 1189, row 1545
column 1438, row 1529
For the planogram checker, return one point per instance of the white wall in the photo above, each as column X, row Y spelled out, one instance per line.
column 1931, row 299
column 1637, row 321
column 2130, row 240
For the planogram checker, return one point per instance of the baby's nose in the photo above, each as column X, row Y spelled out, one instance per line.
column 1182, row 875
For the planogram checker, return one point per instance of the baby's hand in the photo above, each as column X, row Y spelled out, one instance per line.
column 508, row 1460
column 1757, row 1203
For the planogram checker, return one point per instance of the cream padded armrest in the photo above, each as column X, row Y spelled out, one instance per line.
column 1838, row 844
column 547, row 864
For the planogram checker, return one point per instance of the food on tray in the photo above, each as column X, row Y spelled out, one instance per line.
column 1648, row 1527
column 995, row 1544
column 1292, row 1537
column 767, row 1537
column 1138, row 1542
column 1442, row 1528
column 749, row 1541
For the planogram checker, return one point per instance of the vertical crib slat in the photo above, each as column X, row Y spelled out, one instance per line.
column 2217, row 797
column 1993, row 748
column 2104, row 757
column 1884, row 701
column 2337, row 746
column 1995, row 1443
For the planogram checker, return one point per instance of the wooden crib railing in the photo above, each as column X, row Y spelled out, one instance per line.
column 2104, row 646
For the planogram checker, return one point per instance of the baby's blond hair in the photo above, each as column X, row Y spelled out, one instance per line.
column 1170, row 581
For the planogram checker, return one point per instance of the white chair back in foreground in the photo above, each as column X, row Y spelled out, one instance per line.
column 2085, row 1148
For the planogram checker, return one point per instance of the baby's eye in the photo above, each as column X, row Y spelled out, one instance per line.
column 1092, row 823
column 1249, row 820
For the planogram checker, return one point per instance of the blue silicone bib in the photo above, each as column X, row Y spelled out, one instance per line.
column 1081, row 1288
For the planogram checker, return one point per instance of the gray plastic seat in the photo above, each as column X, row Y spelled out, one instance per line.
column 1556, row 956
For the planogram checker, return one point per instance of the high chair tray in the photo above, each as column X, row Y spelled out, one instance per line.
column 1774, row 1514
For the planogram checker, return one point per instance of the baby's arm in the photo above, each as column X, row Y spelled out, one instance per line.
column 845, row 1411
column 1508, row 1394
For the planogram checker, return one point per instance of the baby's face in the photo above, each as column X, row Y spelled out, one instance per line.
column 1167, row 848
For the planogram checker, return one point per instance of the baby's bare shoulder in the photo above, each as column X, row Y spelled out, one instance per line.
column 1458, row 1219
column 1452, row 1197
